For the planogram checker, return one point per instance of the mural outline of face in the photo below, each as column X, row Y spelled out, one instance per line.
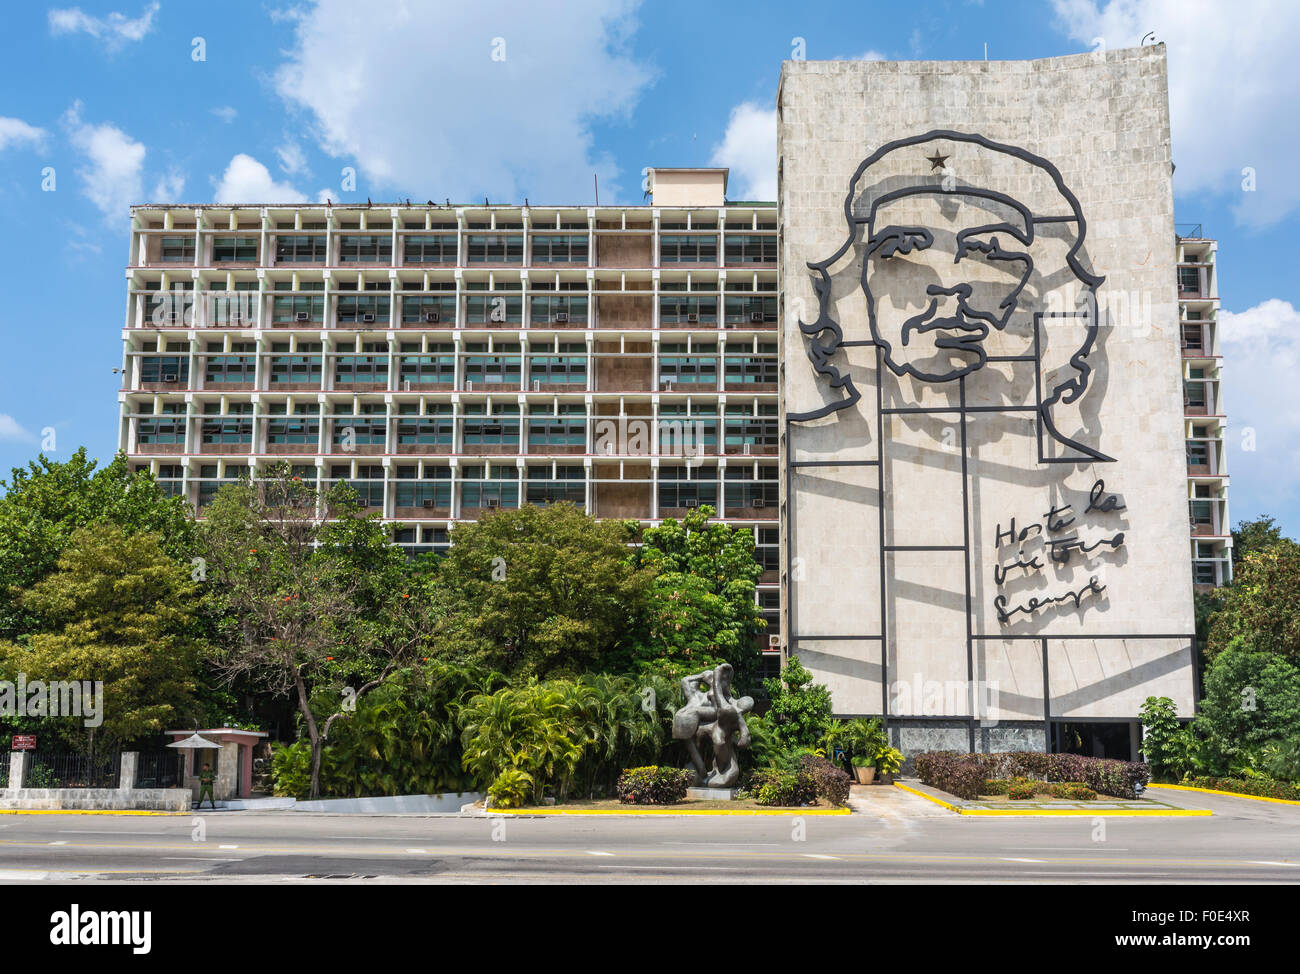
column 957, row 283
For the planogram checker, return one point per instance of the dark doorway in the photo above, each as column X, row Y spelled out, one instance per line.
column 1111, row 739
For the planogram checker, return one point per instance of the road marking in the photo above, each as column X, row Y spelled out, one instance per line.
column 60, row 842
column 105, row 832
column 196, row 859
column 1271, row 862
column 7, row 874
column 227, row 847
column 592, row 853
column 813, row 855
column 417, row 852
column 1014, row 859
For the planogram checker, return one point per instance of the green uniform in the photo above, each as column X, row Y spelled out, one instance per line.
column 206, row 778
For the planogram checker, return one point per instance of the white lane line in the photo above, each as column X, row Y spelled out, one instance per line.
column 227, row 847
column 419, row 852
column 60, row 842
column 813, row 855
column 104, row 832
column 591, row 852
column 197, row 859
column 1271, row 862
column 7, row 874
column 1014, row 859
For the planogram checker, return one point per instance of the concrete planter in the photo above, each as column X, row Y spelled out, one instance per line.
column 864, row 775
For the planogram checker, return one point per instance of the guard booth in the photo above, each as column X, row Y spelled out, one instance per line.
column 230, row 752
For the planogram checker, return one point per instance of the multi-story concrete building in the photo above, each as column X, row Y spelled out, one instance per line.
column 449, row 359
column 1207, row 455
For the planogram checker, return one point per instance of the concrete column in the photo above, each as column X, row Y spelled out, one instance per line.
column 17, row 768
column 130, row 762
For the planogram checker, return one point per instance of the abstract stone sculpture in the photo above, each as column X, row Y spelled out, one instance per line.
column 711, row 713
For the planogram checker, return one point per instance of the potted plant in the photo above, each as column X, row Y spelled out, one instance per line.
column 864, row 769
column 888, row 762
column 865, row 739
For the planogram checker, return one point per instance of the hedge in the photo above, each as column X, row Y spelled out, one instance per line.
column 653, row 785
column 832, row 783
column 964, row 774
column 786, row 788
column 1259, row 787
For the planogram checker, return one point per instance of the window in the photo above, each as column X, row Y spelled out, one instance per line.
column 369, row 427
column 497, row 308
column 177, row 250
column 234, row 250
column 743, row 428
column 433, row 249
column 301, row 428
column 1194, row 393
column 437, row 366
column 169, row 479
column 222, row 369
column 745, row 488
column 369, row 485
column 302, row 368
column 1202, row 512
column 688, row 249
column 435, row 428
column 767, row 552
column 1192, row 338
column 545, row 308
column 1189, row 280
column 755, row 369
column 429, row 309
column 1203, row 573
column 567, row 484
column 363, row 308
column 687, row 487
column 750, row 310
column 287, row 309
column 364, row 369
column 367, row 249
column 699, row 366
column 236, row 426
column 675, row 310
column 560, row 248
column 568, row 427
column 165, row 368
column 494, row 248
column 433, row 491
column 300, row 249
column 167, row 427
column 568, row 366
column 498, row 428
column 497, row 367
column 499, row 488
column 1198, row 453
column 745, row 248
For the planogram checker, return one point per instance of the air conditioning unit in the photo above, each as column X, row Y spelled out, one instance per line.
column 362, row 502
column 690, row 503
column 758, row 502
column 491, row 502
column 169, row 377
column 692, row 318
column 367, row 317
column 537, row 385
column 757, row 317
column 432, row 317
column 427, row 502
column 561, row 317
column 774, row 642
column 469, row 385
column 302, row 316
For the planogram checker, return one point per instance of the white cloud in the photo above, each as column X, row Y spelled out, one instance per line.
column 748, row 149
column 115, row 29
column 1261, row 349
column 293, row 160
column 168, row 189
column 248, row 181
column 416, row 100
column 226, row 113
column 14, row 131
column 11, row 429
column 1233, row 75
column 115, row 163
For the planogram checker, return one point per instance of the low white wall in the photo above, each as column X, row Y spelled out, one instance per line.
column 394, row 805
column 97, row 799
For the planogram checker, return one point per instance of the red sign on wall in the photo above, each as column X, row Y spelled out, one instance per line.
column 24, row 742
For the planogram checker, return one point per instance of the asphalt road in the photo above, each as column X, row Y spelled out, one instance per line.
column 893, row 838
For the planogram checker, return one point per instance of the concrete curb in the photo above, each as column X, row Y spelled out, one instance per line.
column 1092, row 813
column 86, row 811
column 667, row 811
column 1229, row 794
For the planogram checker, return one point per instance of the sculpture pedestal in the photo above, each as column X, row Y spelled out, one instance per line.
column 712, row 794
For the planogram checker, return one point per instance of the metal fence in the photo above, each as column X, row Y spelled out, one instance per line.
column 159, row 769
column 50, row 770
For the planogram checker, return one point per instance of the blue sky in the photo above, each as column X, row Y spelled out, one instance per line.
column 514, row 100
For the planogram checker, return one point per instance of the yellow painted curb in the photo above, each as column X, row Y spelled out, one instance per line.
column 1230, row 794
column 85, row 811
column 1109, row 813
column 668, row 811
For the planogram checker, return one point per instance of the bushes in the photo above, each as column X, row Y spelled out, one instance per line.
column 1262, row 787
column 1074, row 791
column 653, row 785
column 831, row 783
column 1022, row 789
column 511, row 789
column 787, row 788
column 964, row 774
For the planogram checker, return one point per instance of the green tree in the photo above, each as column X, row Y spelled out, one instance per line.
column 1262, row 605
column 1160, row 722
column 1252, row 699
column 121, row 611
column 800, row 712
column 696, row 558
column 540, row 591
column 44, row 504
column 289, row 603
column 1249, row 537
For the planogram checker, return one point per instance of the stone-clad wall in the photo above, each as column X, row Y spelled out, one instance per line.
column 1103, row 121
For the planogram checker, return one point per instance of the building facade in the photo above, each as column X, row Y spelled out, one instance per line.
column 448, row 360
column 985, row 436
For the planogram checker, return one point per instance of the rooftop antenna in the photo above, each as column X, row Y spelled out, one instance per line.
column 694, row 138
column 596, row 182
column 986, row 50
